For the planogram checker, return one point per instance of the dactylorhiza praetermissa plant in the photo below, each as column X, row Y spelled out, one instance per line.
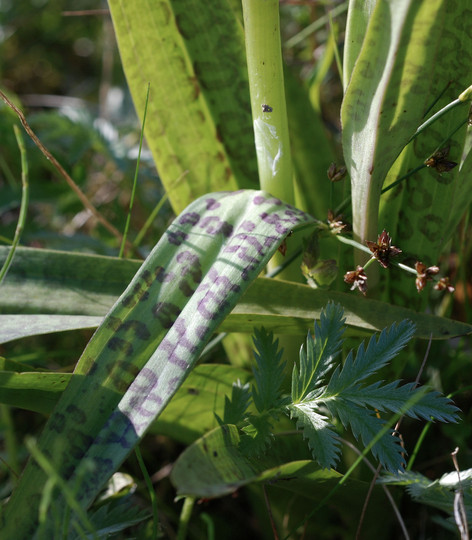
column 324, row 389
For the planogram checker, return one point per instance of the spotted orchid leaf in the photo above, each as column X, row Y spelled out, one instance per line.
column 88, row 285
column 387, row 95
column 149, row 342
column 201, row 134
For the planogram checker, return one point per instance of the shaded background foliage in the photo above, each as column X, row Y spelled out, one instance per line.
column 66, row 73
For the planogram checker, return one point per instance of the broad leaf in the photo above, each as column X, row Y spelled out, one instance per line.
column 213, row 467
column 201, row 133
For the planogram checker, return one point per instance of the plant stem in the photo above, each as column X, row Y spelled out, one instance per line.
column 185, row 517
column 266, row 84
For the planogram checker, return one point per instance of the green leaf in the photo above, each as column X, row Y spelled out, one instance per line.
column 392, row 397
column 359, row 13
column 320, row 353
column 348, row 400
column 438, row 493
column 235, row 408
column 151, row 339
column 366, row 425
column 115, row 516
column 378, row 354
column 38, row 392
column 201, row 133
column 318, row 430
column 433, row 203
column 191, row 412
column 257, row 434
column 269, row 371
column 213, row 467
column 386, row 97
column 89, row 285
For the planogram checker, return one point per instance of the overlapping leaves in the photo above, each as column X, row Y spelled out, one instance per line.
column 324, row 390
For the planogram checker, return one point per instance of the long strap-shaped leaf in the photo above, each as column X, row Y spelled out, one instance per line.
column 193, row 55
column 150, row 340
column 386, row 98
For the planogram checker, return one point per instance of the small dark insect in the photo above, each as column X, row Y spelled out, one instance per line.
column 439, row 162
column 267, row 108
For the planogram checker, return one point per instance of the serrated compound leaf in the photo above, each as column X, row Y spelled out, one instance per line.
column 405, row 398
column 269, row 371
column 366, row 425
column 318, row 357
column 316, row 427
column 367, row 361
column 236, row 407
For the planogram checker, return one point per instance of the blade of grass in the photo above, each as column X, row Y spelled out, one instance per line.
column 152, row 493
column 23, row 206
column 135, row 181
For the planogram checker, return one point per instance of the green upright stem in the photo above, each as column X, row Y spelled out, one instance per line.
column 266, row 84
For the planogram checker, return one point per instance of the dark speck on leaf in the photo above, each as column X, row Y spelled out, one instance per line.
column 193, row 391
column 215, row 453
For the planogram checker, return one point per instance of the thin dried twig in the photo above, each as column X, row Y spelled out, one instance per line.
column 60, row 169
column 385, row 489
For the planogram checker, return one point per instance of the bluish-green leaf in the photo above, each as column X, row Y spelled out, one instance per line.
column 378, row 353
column 322, row 439
column 320, row 352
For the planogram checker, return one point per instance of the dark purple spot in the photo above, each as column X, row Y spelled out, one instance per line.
column 202, row 332
column 212, row 204
column 118, row 344
column 259, row 199
column 58, row 421
column 176, row 238
column 247, row 226
column 78, row 443
column 113, row 323
column 190, row 218
column 77, row 415
column 139, row 329
column 166, row 313
column 150, row 376
column 191, row 270
column 214, row 225
column 162, row 276
column 147, row 277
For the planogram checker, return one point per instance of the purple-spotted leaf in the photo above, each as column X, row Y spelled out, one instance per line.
column 149, row 341
column 280, row 306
